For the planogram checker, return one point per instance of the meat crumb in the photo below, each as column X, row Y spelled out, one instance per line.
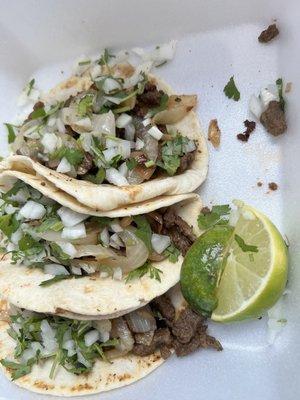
column 250, row 127
column 268, row 34
column 273, row 119
column 288, row 87
column 259, row 184
column 273, row 186
column 205, row 210
column 214, row 133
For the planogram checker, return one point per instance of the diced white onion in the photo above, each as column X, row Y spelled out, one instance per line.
column 32, row 210
column 89, row 269
column 76, row 270
column 164, row 52
column 74, row 232
column 139, row 144
column 266, row 97
column 36, row 346
column 116, row 227
column 49, row 141
column 10, row 209
column 86, row 141
column 255, row 106
column 113, row 176
column 82, row 360
column 123, row 120
column 84, row 124
column 64, row 166
column 27, row 354
column 60, row 126
column 51, row 121
column 104, row 123
column 160, row 242
column 155, row 133
column 91, row 337
column 95, row 71
column 48, row 337
column 22, row 195
column 16, row 236
column 110, row 84
column 129, row 132
column 146, row 121
column 104, row 274
column 123, row 169
column 115, row 100
column 138, row 74
column 115, row 241
column 68, row 248
column 104, row 236
column 69, row 345
column 55, row 269
column 117, row 274
column 70, row 217
column 110, row 153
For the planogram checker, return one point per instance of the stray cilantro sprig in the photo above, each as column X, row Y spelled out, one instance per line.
column 219, row 215
column 143, row 231
column 147, row 268
column 11, row 136
column 172, row 253
column 246, row 248
column 231, row 91
column 279, row 84
column 106, row 56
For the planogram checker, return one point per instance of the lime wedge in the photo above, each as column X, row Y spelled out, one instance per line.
column 252, row 281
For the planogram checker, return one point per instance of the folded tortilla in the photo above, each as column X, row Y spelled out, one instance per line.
column 105, row 197
column 91, row 295
column 103, row 377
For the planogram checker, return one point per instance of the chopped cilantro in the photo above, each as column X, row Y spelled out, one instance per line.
column 219, row 215
column 149, row 164
column 98, row 178
column 9, row 224
column 17, row 369
column 172, row 253
column 56, row 279
column 38, row 113
column 52, row 224
column 131, row 163
column 10, row 132
column 59, row 253
column 74, row 156
column 143, row 230
column 29, row 246
column 162, row 105
column 279, row 84
column 147, row 268
column 85, row 105
column 114, row 162
column 171, row 152
column 245, row 247
column 104, row 59
column 231, row 90
column 85, row 62
column 29, row 87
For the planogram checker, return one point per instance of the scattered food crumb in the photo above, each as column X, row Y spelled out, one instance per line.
column 214, row 133
column 273, row 119
column 205, row 210
column 250, row 126
column 273, row 186
column 288, row 87
column 259, row 184
column 62, row 72
column 268, row 34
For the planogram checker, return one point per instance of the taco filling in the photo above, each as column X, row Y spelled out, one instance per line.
column 76, row 345
column 108, row 124
column 38, row 232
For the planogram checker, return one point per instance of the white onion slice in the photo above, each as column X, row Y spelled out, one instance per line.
column 104, row 236
column 155, row 133
column 91, row 337
column 123, row 120
column 74, row 232
column 104, row 123
column 110, row 84
column 160, row 242
column 255, row 106
column 55, row 269
column 84, row 124
column 67, row 248
column 49, row 141
column 123, row 169
column 113, row 176
column 110, row 153
column 115, row 226
column 32, row 210
column 64, row 166
column 70, row 217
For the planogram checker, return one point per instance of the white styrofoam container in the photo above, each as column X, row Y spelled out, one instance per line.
column 217, row 39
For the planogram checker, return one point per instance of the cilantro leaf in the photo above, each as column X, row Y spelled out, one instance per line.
column 85, row 105
column 17, row 369
column 143, row 231
column 162, row 105
column 53, row 224
column 131, row 163
column 147, row 268
column 29, row 246
column 170, row 164
column 231, row 91
column 59, row 253
column 279, row 84
column 104, row 59
column 11, row 136
column 56, row 279
column 29, row 87
column 98, row 178
column 171, row 152
column 219, row 215
column 115, row 161
column 38, row 113
column 245, row 247
column 74, row 156
column 9, row 224
column 172, row 253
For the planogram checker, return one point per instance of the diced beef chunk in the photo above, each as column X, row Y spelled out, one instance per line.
column 86, row 164
column 268, row 34
column 165, row 307
column 186, row 325
column 273, row 119
column 148, row 99
column 186, row 161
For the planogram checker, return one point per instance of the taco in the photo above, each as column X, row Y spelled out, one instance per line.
column 113, row 136
column 75, row 263
column 55, row 355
